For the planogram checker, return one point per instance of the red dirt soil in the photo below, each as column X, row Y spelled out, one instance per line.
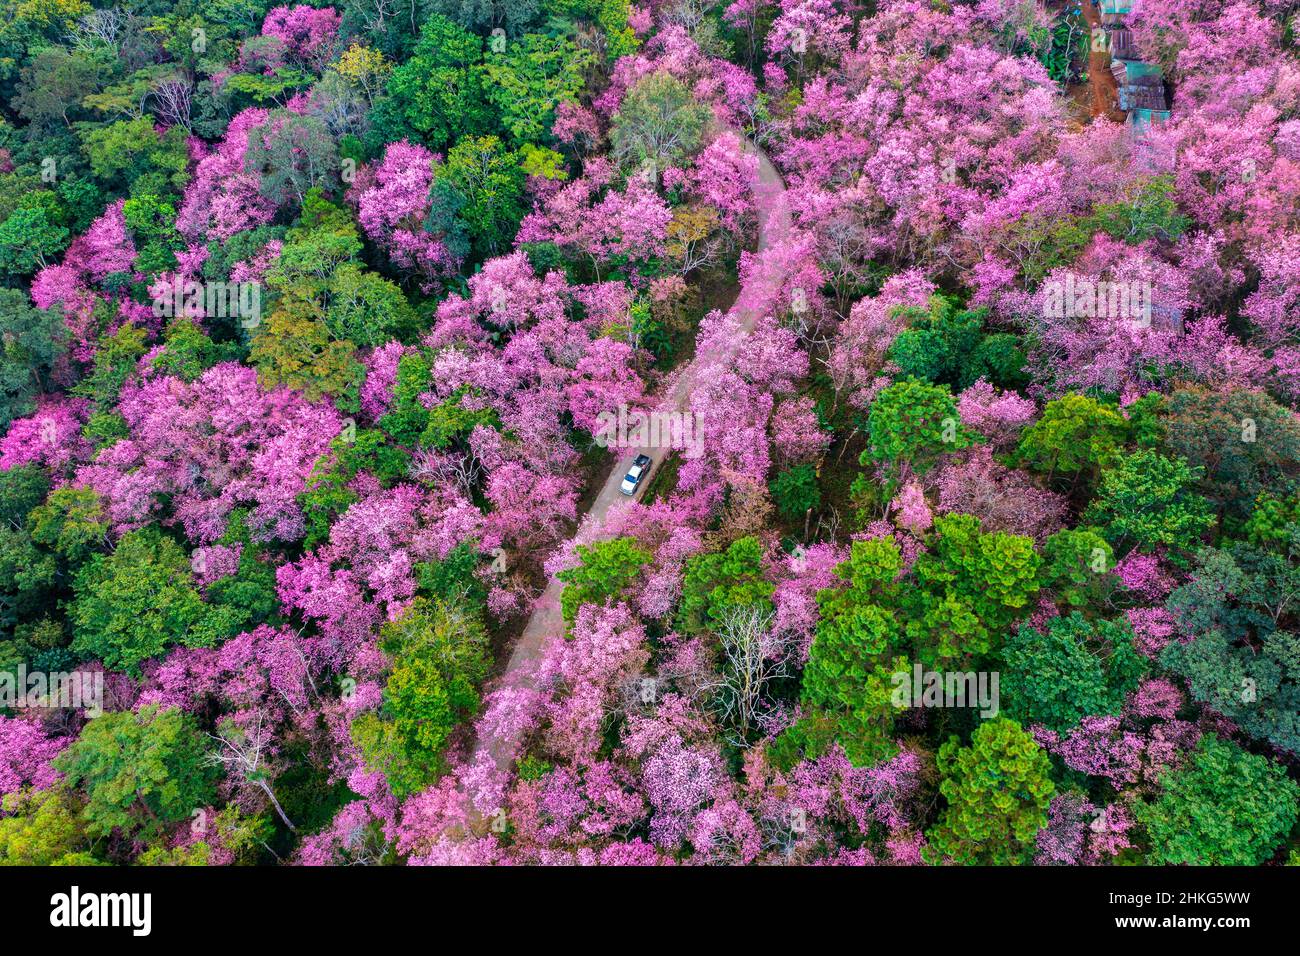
column 1101, row 84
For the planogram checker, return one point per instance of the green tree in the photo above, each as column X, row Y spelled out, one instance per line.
column 1225, row 807
column 1075, row 437
column 40, row 828
column 121, row 153
column 54, row 84
column 134, row 603
column 972, row 586
column 453, row 419
column 947, row 345
column 115, row 362
column 1274, row 522
column 604, row 571
column 407, row 418
column 151, row 221
column 438, row 93
column 323, row 242
column 249, row 594
column 658, row 124
column 1076, row 568
column 193, row 854
column 847, row 680
column 911, row 424
column 795, row 491
column 29, row 241
column 267, row 86
column 513, row 15
column 188, row 352
column 1242, row 658
column 531, row 77
column 368, row 310
column 293, row 347
column 1076, row 669
column 175, row 32
column 28, row 578
column 71, row 523
column 1040, row 243
column 1242, row 441
column 611, row 16
column 140, row 770
column 1146, row 500
column 541, row 162
column 21, row 489
column 440, row 656
column 31, row 339
column 713, row 583
column 1148, row 211
column 490, row 183
column 291, row 155
column 329, row 491
column 82, row 199
column 997, row 791
column 961, row 596
column 453, row 579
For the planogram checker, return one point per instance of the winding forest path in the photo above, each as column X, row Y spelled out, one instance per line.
column 774, row 225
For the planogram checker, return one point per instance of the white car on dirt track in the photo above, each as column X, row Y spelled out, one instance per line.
column 632, row 480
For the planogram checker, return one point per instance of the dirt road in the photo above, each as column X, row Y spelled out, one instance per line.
column 1101, row 82
column 546, row 619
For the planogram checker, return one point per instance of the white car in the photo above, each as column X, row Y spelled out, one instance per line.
column 632, row 480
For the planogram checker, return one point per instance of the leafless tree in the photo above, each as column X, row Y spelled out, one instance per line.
column 364, row 846
column 688, row 13
column 339, row 105
column 244, row 750
column 848, row 253
column 787, row 829
column 694, row 238
column 465, row 471
column 748, row 510
column 98, row 28
column 172, row 98
column 753, row 655
column 376, row 14
column 828, row 526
